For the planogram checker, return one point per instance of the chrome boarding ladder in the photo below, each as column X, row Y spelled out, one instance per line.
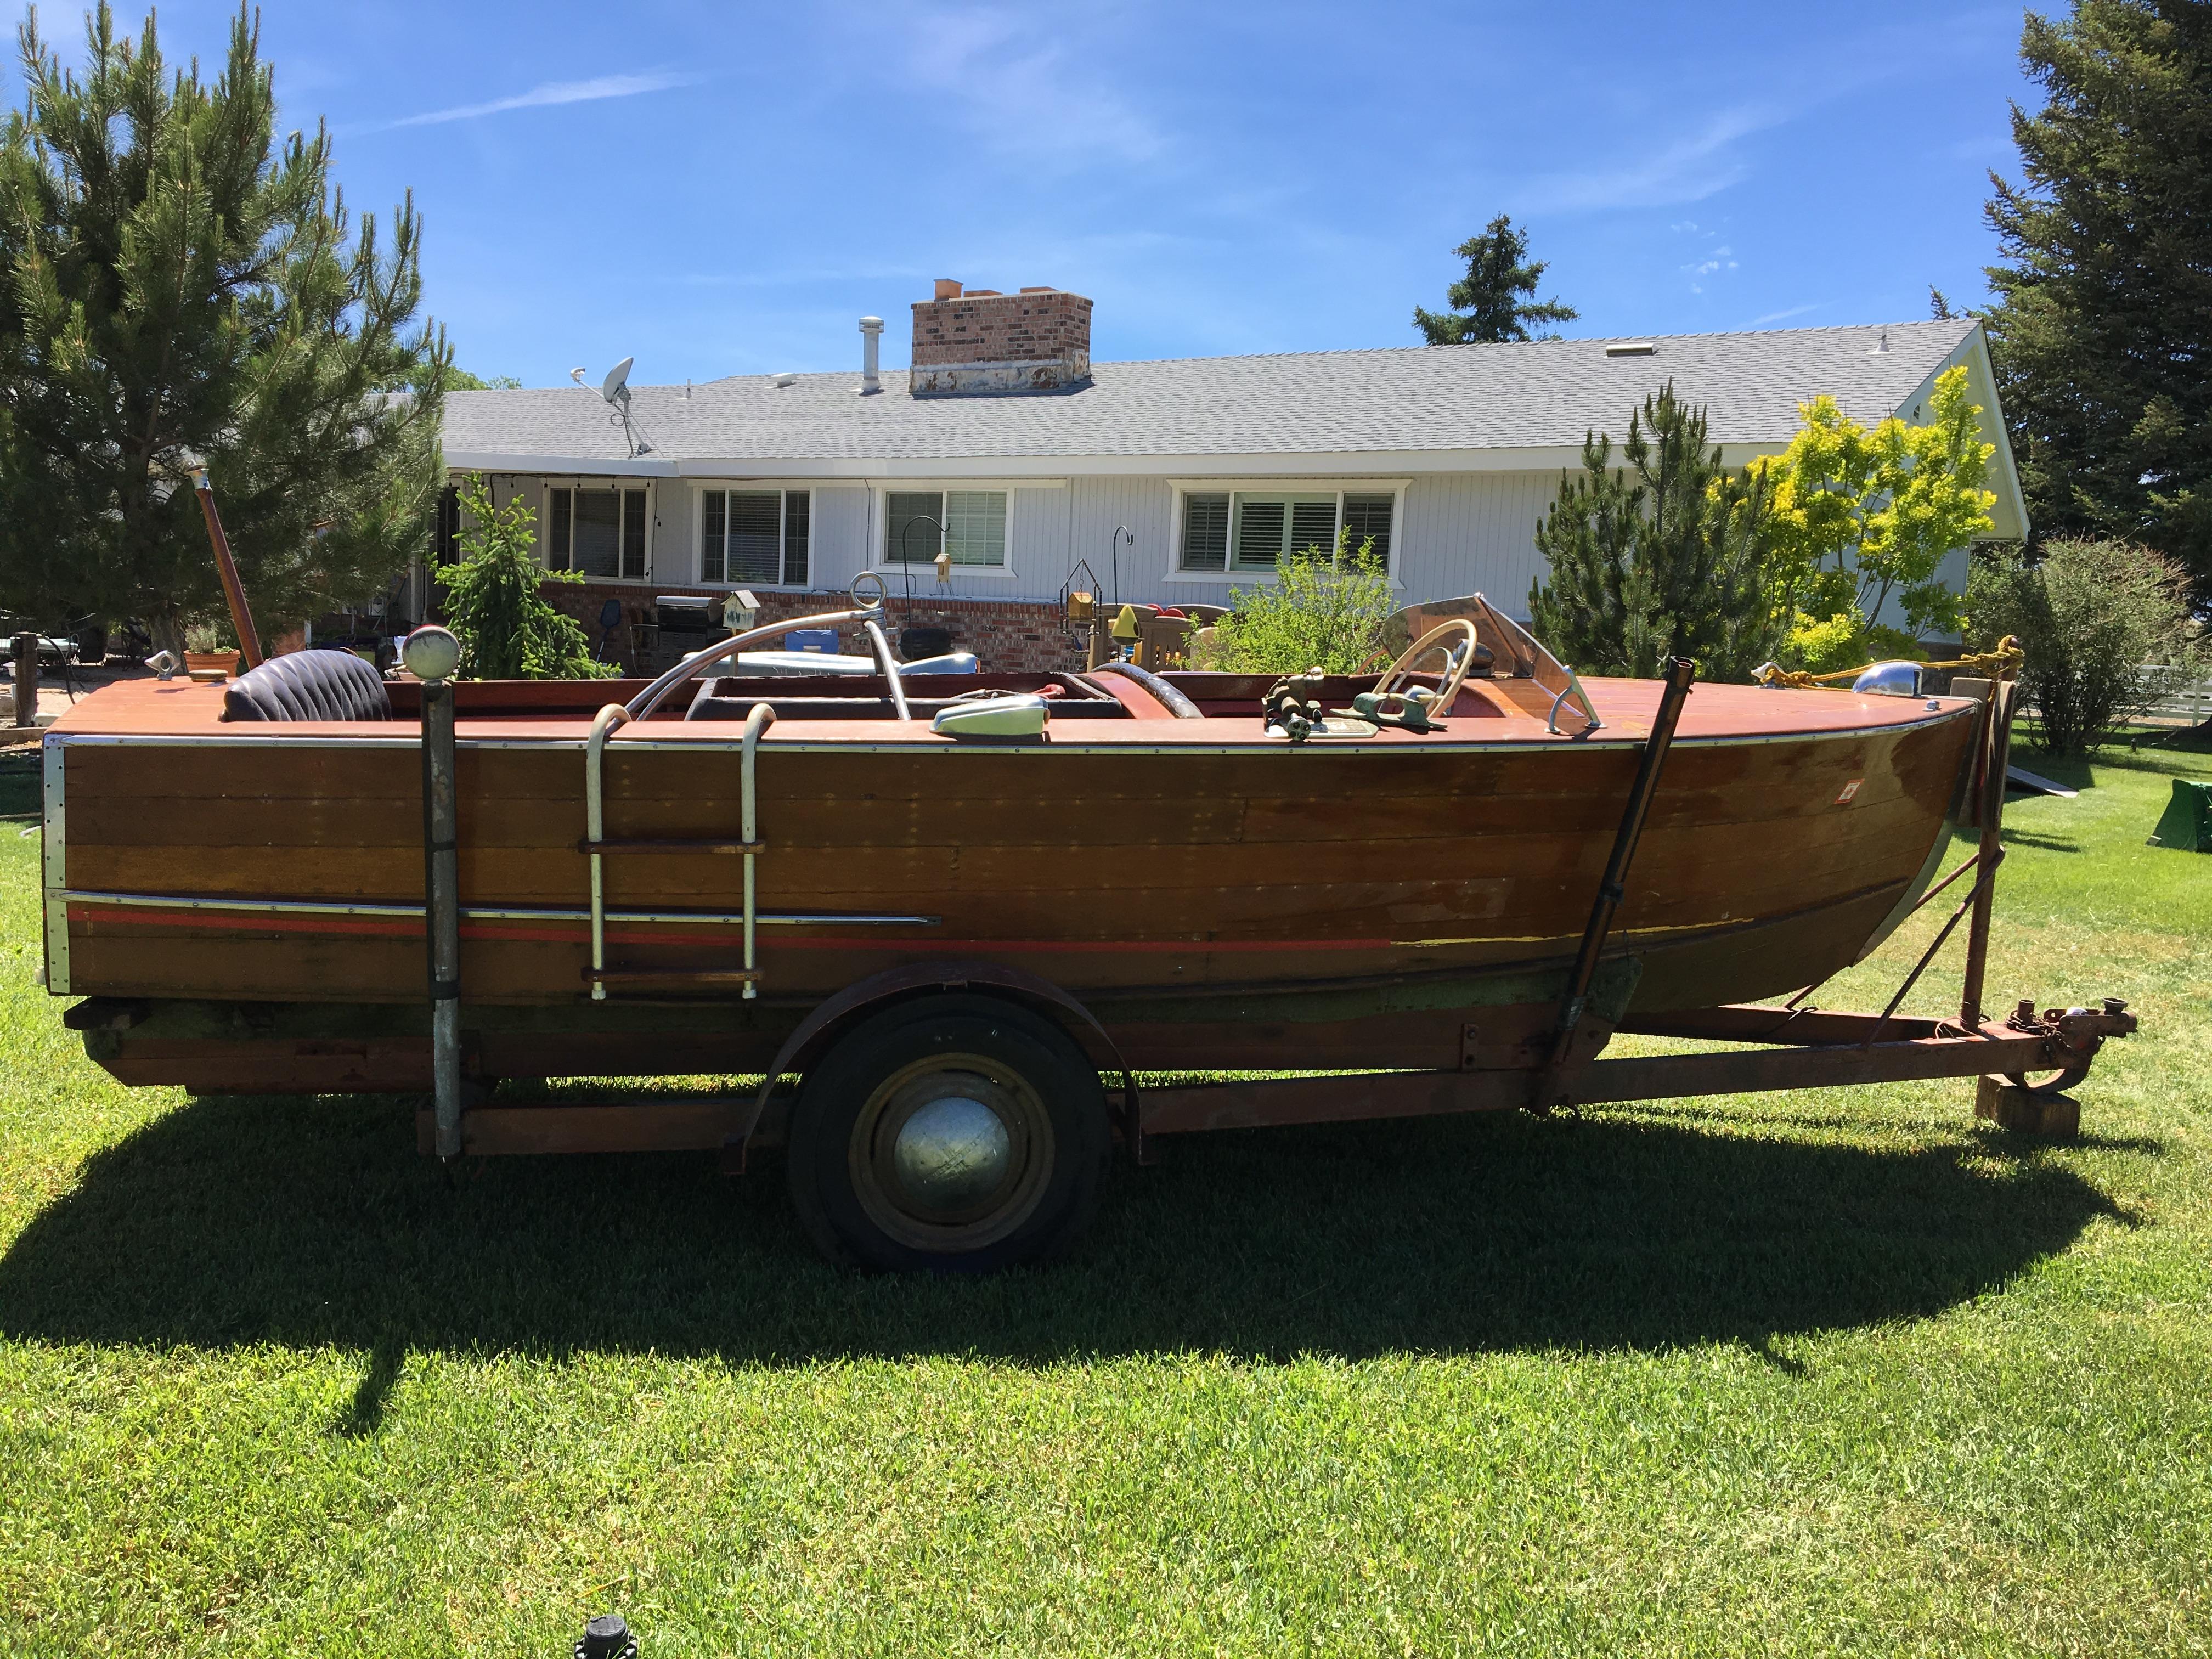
column 598, row 846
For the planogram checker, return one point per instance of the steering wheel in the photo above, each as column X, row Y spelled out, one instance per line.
column 1456, row 666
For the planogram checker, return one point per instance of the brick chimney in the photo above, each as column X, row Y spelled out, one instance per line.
column 978, row 339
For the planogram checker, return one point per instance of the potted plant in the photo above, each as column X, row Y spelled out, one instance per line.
column 203, row 658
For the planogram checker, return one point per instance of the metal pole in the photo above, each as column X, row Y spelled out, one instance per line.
column 27, row 679
column 432, row 654
column 758, row 719
column 241, row 618
column 1996, row 756
column 1678, row 673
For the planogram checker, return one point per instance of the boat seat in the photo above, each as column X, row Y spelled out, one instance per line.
column 309, row 686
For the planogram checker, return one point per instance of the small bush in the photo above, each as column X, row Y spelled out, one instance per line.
column 494, row 604
column 2089, row 615
column 1322, row 611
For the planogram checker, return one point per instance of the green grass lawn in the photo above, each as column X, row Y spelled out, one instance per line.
column 1836, row 1372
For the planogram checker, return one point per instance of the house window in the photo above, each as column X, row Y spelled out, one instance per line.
column 1244, row 529
column 1367, row 518
column 755, row 536
column 975, row 523
column 1206, row 533
column 601, row 532
column 445, row 531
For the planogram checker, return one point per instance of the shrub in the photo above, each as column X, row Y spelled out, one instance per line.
column 1662, row 556
column 2088, row 614
column 1862, row 517
column 1323, row 610
column 494, row 606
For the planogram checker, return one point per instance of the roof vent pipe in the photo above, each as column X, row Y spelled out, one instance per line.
column 872, row 329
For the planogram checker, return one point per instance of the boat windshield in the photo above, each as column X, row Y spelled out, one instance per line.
column 1507, row 642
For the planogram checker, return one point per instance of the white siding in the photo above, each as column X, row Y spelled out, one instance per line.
column 841, row 536
column 1096, row 506
column 1473, row 533
column 1460, row 532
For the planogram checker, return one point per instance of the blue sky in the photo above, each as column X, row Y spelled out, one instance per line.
column 723, row 189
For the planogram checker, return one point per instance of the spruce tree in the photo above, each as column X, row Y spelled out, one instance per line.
column 1494, row 300
column 177, row 289
column 2102, row 334
column 1661, row 556
column 496, row 602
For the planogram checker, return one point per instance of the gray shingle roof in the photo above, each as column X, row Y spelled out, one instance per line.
column 1540, row 394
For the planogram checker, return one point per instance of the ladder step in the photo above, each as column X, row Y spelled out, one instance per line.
column 672, row 976
column 643, row 846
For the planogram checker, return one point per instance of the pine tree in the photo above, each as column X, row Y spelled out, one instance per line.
column 1489, row 302
column 1660, row 557
column 2102, row 334
column 179, row 289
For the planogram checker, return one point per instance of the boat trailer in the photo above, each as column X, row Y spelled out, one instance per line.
column 2024, row 1062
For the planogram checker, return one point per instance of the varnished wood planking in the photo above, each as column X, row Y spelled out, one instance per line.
column 1704, row 790
column 1398, row 841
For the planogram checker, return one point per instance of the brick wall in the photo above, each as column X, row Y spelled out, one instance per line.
column 1007, row 636
column 982, row 342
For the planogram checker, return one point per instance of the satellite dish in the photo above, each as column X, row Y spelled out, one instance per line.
column 616, row 387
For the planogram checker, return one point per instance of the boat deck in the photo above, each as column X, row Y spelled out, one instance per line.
column 559, row 714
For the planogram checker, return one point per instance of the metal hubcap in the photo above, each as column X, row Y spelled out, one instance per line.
column 951, row 1153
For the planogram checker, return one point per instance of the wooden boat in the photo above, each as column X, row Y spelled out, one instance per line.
column 1163, row 876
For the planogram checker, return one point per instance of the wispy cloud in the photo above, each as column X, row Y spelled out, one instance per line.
column 1708, row 158
column 556, row 92
column 1779, row 316
column 1012, row 78
column 1691, row 168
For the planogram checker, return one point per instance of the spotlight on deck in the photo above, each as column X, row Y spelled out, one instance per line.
column 431, row 653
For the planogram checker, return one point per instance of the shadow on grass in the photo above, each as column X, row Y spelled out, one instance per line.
column 2047, row 843
column 234, row 1221
column 19, row 777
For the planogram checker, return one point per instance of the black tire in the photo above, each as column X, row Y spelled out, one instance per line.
column 952, row 1134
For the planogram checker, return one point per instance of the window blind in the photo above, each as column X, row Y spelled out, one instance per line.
column 597, row 548
column 1367, row 518
column 1313, row 525
column 798, row 515
column 975, row 526
column 1206, row 533
column 902, row 509
column 757, row 535
column 1259, row 526
column 633, row 541
column 755, row 543
column 975, row 523
column 712, row 506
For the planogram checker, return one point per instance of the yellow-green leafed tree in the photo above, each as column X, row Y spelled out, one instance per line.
column 1860, row 517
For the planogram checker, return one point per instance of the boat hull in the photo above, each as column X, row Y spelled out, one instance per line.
column 1177, row 882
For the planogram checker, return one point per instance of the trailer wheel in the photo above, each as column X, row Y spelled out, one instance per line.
column 956, row 1133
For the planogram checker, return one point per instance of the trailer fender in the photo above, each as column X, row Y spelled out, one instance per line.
column 865, row 997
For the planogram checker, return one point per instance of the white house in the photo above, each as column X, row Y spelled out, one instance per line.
column 1032, row 459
